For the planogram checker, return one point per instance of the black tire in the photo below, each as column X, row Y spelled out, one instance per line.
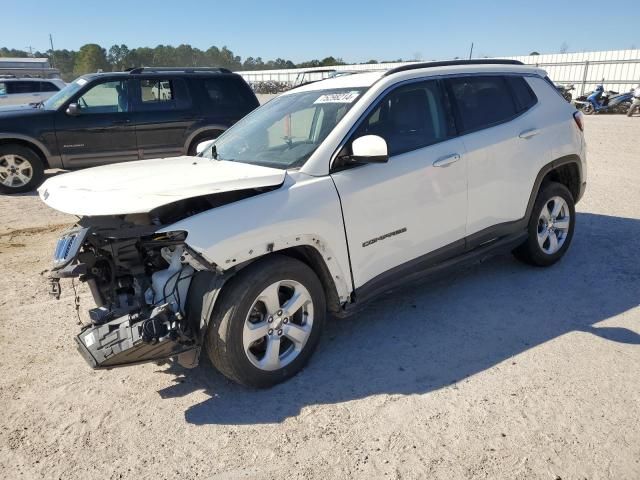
column 530, row 251
column 224, row 339
column 37, row 168
column 202, row 138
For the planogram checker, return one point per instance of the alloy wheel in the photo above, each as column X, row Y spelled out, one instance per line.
column 278, row 325
column 553, row 225
column 15, row 171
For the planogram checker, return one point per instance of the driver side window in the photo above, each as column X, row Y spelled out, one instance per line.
column 408, row 118
column 107, row 97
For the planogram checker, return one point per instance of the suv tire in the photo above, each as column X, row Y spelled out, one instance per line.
column 550, row 226
column 21, row 169
column 253, row 338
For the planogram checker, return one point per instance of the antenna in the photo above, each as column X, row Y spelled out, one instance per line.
column 471, row 51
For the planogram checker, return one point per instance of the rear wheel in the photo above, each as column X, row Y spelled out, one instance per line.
column 21, row 169
column 267, row 322
column 550, row 227
column 588, row 109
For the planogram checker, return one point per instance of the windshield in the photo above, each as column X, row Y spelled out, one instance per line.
column 54, row 102
column 286, row 131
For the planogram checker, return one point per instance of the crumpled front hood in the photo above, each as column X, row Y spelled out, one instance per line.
column 141, row 186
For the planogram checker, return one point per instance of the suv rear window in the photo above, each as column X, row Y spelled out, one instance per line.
column 482, row 101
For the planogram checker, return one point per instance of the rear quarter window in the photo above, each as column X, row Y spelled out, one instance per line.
column 48, row 87
column 482, row 101
column 522, row 93
column 229, row 93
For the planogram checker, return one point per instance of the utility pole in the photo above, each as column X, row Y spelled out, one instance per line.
column 471, row 51
column 51, row 43
column 30, row 48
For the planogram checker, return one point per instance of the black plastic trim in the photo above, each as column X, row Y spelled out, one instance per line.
column 450, row 63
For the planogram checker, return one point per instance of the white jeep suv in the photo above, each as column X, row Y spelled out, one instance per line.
column 318, row 201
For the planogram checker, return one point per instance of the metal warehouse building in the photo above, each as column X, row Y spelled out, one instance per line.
column 616, row 69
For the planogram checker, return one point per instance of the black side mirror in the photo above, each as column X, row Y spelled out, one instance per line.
column 73, row 109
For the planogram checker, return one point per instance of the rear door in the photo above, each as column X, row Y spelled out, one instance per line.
column 500, row 129
column 163, row 112
column 102, row 132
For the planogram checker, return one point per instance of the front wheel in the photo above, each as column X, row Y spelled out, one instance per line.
column 21, row 169
column 267, row 322
column 550, row 227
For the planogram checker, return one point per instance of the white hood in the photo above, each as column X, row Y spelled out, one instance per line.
column 139, row 187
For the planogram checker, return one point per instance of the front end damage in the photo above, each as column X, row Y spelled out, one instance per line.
column 140, row 281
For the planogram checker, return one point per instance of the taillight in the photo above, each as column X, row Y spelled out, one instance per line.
column 579, row 118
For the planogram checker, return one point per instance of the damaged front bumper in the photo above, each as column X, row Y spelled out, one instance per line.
column 140, row 286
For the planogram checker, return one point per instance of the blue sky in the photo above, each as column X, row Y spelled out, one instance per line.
column 299, row 30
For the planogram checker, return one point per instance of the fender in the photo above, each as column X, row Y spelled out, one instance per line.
column 303, row 212
column 53, row 161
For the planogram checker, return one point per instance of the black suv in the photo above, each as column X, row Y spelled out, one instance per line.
column 114, row 117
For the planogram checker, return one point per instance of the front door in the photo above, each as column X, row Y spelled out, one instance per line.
column 162, row 115
column 102, row 131
column 397, row 212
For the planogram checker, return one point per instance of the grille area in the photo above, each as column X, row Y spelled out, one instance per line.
column 68, row 246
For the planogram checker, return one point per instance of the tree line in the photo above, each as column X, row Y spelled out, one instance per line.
column 92, row 58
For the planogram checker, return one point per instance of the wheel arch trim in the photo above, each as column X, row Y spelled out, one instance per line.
column 40, row 148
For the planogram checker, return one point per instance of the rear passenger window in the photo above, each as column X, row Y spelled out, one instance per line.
column 163, row 94
column 524, row 96
column 482, row 101
column 409, row 118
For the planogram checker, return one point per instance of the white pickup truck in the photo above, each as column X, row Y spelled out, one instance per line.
column 320, row 200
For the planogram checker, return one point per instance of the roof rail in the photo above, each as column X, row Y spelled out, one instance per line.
column 178, row 69
column 449, row 63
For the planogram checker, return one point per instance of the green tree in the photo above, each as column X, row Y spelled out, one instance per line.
column 90, row 58
column 119, row 57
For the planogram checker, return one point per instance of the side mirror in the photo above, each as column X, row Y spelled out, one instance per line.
column 202, row 146
column 73, row 109
column 369, row 149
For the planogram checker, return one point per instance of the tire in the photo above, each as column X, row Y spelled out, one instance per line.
column 21, row 169
column 246, row 324
column 588, row 109
column 202, row 138
column 540, row 248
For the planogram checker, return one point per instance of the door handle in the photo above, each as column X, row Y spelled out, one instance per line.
column 121, row 122
column 446, row 160
column 532, row 132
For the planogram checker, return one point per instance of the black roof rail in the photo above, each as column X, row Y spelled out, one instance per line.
column 178, row 69
column 449, row 63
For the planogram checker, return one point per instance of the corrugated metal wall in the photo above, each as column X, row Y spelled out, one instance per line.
column 616, row 69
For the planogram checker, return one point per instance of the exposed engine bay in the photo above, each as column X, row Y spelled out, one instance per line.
column 139, row 279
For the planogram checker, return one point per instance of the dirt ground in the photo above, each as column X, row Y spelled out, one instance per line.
column 496, row 371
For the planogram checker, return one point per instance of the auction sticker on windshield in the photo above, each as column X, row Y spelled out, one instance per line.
column 344, row 97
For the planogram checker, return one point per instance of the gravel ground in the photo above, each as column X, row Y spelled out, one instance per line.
column 496, row 371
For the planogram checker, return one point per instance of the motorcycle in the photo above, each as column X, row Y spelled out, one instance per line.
column 565, row 91
column 609, row 102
